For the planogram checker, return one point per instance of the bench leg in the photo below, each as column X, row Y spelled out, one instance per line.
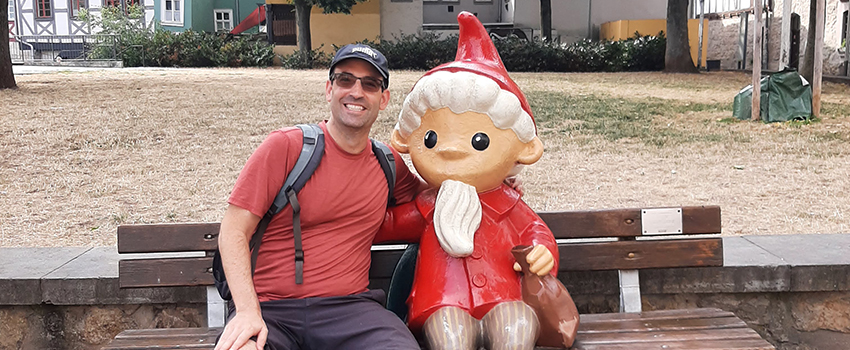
column 216, row 308
column 629, row 291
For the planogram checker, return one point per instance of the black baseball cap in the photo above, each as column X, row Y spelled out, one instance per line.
column 366, row 53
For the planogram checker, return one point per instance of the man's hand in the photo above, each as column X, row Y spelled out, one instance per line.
column 540, row 261
column 240, row 329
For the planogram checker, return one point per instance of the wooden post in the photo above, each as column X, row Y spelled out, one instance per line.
column 785, row 41
column 818, row 61
column 757, row 23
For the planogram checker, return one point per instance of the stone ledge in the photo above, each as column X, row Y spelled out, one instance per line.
column 753, row 264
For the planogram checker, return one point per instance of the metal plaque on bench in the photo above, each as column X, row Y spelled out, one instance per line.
column 661, row 221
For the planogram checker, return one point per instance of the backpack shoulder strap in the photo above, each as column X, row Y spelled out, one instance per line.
column 387, row 161
column 311, row 155
column 312, row 149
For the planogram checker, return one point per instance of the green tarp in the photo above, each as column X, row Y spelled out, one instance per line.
column 785, row 96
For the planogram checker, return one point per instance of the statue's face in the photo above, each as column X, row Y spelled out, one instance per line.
column 466, row 147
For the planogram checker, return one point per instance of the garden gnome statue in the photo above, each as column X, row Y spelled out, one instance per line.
column 467, row 127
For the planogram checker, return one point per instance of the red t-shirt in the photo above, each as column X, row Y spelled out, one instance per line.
column 342, row 206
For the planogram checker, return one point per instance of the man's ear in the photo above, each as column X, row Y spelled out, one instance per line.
column 399, row 143
column 531, row 152
column 328, row 90
column 385, row 99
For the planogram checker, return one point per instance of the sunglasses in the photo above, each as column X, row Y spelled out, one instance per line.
column 347, row 80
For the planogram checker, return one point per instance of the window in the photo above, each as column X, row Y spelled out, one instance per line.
column 122, row 4
column 11, row 10
column 172, row 12
column 283, row 28
column 223, row 20
column 76, row 6
column 845, row 31
column 43, row 9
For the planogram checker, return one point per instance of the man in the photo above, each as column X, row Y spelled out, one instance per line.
column 342, row 207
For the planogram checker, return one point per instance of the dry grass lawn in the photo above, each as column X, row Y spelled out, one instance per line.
column 85, row 152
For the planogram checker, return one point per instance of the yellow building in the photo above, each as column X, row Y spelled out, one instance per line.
column 327, row 30
column 619, row 30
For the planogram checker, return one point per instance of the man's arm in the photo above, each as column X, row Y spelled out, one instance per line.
column 237, row 227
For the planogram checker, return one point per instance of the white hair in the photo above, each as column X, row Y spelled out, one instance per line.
column 464, row 92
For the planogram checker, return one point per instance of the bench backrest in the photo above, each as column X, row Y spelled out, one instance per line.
column 615, row 239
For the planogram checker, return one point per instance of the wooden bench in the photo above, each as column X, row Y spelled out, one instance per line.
column 626, row 240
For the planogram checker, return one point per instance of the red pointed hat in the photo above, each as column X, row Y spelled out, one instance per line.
column 477, row 54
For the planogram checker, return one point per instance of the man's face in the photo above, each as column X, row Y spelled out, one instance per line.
column 468, row 148
column 355, row 106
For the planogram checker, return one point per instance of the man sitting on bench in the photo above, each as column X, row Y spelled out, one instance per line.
column 341, row 207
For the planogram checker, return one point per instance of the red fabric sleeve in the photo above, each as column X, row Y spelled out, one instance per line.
column 264, row 172
column 537, row 233
column 402, row 223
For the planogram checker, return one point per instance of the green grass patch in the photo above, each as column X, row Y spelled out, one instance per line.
column 835, row 109
column 617, row 118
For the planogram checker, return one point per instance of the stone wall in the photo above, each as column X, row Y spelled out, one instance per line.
column 87, row 327
column 723, row 37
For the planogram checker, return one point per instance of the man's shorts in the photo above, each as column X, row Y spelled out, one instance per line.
column 346, row 322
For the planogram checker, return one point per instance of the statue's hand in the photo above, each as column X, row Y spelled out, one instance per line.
column 540, row 261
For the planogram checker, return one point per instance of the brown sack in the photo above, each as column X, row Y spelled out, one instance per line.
column 555, row 309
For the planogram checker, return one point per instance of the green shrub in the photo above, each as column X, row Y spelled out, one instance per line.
column 137, row 45
column 314, row 59
column 428, row 50
column 421, row 51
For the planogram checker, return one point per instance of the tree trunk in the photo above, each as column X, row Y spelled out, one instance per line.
column 7, row 78
column 677, row 58
column 807, row 66
column 546, row 19
column 302, row 19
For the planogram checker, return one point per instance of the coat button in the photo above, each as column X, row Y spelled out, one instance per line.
column 479, row 280
column 476, row 254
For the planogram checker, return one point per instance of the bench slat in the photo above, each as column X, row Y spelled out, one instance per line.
column 633, row 255
column 168, row 237
column 165, row 338
column 625, row 336
column 702, row 332
column 625, row 222
column 704, row 344
column 165, row 272
column 574, row 257
column 568, row 224
column 673, row 324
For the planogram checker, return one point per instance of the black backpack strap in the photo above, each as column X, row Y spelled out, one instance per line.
column 387, row 161
column 312, row 150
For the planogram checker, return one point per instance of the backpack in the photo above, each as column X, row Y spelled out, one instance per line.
column 308, row 160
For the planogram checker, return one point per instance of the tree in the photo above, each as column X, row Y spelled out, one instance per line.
column 807, row 67
column 546, row 19
column 7, row 78
column 677, row 57
column 302, row 18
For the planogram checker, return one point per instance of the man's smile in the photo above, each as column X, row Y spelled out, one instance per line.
column 354, row 107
